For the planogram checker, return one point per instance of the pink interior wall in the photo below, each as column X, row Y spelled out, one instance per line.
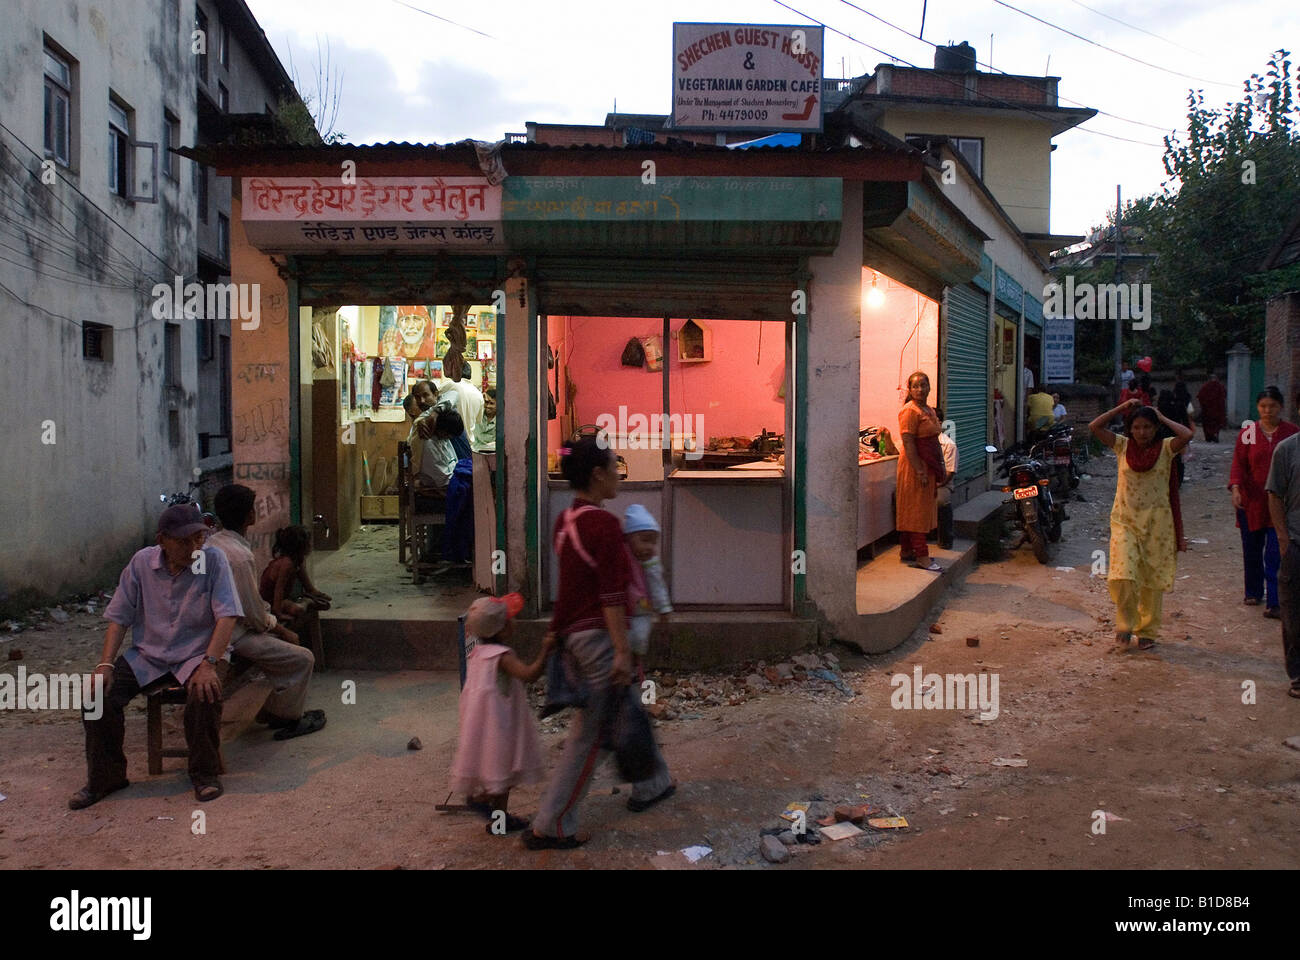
column 898, row 338
column 735, row 392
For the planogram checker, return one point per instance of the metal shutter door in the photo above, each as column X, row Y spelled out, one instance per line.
column 965, row 370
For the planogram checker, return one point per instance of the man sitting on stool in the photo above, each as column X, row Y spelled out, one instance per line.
column 179, row 600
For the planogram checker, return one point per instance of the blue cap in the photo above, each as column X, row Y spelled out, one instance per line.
column 638, row 518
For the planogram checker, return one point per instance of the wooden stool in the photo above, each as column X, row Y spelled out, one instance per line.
column 159, row 694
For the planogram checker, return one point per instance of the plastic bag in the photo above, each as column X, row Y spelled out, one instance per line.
column 564, row 687
column 654, row 354
column 629, row 735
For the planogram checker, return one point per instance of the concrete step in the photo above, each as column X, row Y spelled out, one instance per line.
column 894, row 598
column 694, row 641
column 966, row 519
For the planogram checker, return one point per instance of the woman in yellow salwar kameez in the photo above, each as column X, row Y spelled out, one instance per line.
column 1143, row 522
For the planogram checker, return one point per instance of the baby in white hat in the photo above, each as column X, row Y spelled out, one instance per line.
column 649, row 592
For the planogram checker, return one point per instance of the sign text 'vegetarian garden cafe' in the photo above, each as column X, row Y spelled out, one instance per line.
column 747, row 77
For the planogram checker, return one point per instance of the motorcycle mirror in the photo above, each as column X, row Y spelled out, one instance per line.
column 989, row 448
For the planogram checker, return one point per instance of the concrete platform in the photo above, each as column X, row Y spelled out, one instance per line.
column 893, row 597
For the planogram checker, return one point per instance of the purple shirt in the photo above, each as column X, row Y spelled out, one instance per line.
column 171, row 617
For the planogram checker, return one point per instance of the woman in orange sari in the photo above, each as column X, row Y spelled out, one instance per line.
column 920, row 472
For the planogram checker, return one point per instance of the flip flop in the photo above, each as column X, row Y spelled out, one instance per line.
column 636, row 806
column 1294, row 692
column 207, row 789
column 1146, row 643
column 1251, row 601
column 513, row 824
column 309, row 722
column 533, row 842
column 85, row 797
column 1273, row 613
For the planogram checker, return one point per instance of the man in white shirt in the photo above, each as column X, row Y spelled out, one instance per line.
column 257, row 636
column 949, row 448
column 468, row 400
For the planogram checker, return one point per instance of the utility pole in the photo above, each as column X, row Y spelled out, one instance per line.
column 1119, row 274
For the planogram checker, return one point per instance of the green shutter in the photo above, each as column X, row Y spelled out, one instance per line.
column 965, row 370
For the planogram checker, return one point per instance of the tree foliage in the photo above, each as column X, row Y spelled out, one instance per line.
column 1234, row 184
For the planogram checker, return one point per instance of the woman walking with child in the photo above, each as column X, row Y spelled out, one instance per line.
column 591, row 615
column 1145, row 521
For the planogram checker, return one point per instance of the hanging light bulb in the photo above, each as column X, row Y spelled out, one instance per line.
column 875, row 296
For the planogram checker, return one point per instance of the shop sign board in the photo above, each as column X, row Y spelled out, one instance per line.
column 308, row 213
column 744, row 76
column 1058, row 350
column 628, row 199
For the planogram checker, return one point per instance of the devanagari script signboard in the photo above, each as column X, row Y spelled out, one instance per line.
column 315, row 213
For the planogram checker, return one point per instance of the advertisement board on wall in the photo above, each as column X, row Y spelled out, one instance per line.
column 1058, row 351
column 744, row 76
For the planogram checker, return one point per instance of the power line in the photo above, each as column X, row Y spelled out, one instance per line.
column 984, row 97
column 990, row 66
column 1137, row 28
column 444, row 19
column 104, row 213
column 1118, row 53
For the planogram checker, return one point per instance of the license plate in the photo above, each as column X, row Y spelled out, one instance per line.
column 1025, row 493
column 1061, row 461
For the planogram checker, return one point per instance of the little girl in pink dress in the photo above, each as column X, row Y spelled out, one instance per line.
column 499, row 747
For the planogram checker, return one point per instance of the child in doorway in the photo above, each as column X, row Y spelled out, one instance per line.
column 287, row 568
column 647, row 593
column 498, row 747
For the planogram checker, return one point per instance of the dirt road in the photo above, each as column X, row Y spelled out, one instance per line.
column 1184, row 773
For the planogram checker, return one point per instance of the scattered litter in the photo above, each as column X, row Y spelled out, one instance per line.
column 794, row 812
column 1185, row 576
column 1292, row 742
column 808, row 661
column 829, row 821
column 853, row 814
column 1202, row 598
column 414, row 744
column 59, row 616
column 935, row 628
column 165, row 818
column 1066, row 569
column 946, row 810
column 972, row 641
column 1008, row 818
column 1009, row 762
column 1194, row 540
column 3, row 798
column 887, row 823
column 932, row 750
column 696, row 853
column 840, row 831
column 833, row 679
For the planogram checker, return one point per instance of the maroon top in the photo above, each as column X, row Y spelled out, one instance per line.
column 1250, row 462
column 586, row 589
column 266, row 586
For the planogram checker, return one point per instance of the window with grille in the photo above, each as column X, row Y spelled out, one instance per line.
column 97, row 342
column 972, row 148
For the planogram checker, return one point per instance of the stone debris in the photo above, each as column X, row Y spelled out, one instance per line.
column 773, row 850
column 59, row 615
column 414, row 744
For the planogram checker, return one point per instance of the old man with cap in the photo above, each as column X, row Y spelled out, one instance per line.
column 179, row 601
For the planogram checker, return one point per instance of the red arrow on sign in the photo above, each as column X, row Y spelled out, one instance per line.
column 807, row 109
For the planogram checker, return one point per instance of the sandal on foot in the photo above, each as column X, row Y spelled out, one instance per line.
column 1294, row 692
column 1121, row 643
column 513, row 824
column 1146, row 643
column 208, row 789
column 636, row 806
column 1251, row 601
column 1273, row 613
column 533, row 842
column 309, row 722
column 86, row 797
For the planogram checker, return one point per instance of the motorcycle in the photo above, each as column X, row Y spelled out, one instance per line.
column 1054, row 447
column 1029, row 482
column 186, row 497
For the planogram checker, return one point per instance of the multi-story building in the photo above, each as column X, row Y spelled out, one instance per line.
column 108, row 391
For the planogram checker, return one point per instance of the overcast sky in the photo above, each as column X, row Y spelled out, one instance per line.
column 409, row 76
